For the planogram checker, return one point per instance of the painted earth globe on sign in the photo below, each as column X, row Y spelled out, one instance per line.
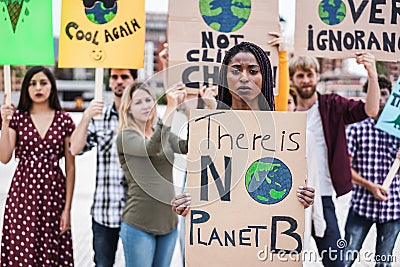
column 268, row 180
column 332, row 12
column 100, row 11
column 225, row 15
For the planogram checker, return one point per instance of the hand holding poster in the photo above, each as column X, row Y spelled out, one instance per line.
column 389, row 121
column 102, row 34
column 244, row 169
column 339, row 28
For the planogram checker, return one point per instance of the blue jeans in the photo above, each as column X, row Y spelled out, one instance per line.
column 105, row 244
column 357, row 228
column 143, row 249
column 327, row 246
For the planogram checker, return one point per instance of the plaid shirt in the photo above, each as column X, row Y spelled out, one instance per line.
column 373, row 152
column 111, row 188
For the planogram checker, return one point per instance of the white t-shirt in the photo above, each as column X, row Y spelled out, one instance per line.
column 314, row 125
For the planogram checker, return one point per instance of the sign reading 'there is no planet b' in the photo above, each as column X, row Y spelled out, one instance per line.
column 244, row 169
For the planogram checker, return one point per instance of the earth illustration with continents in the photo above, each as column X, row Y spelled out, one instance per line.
column 100, row 11
column 268, row 180
column 332, row 12
column 225, row 15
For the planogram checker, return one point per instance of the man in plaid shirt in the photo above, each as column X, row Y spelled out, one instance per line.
column 109, row 196
column 372, row 153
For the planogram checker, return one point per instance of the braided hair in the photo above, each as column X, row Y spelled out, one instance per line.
column 266, row 98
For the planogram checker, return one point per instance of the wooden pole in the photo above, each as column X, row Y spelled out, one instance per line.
column 7, row 85
column 390, row 176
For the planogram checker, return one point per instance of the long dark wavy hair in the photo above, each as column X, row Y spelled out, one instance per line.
column 25, row 101
column 266, row 97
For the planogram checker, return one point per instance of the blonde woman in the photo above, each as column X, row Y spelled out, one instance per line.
column 146, row 150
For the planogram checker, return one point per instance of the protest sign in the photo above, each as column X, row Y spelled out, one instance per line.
column 26, row 32
column 339, row 28
column 389, row 121
column 102, row 34
column 244, row 169
column 200, row 32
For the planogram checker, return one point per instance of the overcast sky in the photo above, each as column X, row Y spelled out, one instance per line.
column 286, row 8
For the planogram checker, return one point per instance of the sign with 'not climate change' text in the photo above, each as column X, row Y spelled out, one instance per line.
column 201, row 31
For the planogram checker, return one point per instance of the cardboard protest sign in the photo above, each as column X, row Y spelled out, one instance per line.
column 244, row 169
column 339, row 28
column 389, row 121
column 200, row 32
column 26, row 32
column 102, row 34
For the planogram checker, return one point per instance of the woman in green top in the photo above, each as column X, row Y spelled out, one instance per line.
column 146, row 153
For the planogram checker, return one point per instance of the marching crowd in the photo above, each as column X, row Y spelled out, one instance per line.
column 134, row 197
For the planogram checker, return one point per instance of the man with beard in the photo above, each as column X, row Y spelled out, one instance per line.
column 372, row 153
column 327, row 116
column 110, row 191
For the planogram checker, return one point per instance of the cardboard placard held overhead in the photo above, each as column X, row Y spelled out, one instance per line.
column 339, row 28
column 102, row 34
column 26, row 32
column 244, row 169
column 200, row 32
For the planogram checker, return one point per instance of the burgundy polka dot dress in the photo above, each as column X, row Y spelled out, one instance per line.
column 31, row 230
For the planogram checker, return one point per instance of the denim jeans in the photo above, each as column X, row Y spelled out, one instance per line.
column 143, row 249
column 328, row 245
column 357, row 228
column 105, row 244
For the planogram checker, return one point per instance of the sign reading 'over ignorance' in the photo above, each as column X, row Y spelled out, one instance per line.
column 339, row 28
column 102, row 34
column 244, row 169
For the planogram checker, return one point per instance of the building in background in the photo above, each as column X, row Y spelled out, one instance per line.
column 17, row 75
column 76, row 85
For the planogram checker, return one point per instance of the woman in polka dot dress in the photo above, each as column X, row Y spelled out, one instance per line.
column 36, row 230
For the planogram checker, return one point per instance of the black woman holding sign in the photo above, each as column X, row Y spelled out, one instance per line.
column 246, row 84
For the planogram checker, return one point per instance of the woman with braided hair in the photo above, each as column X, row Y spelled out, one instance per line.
column 246, row 81
column 245, row 84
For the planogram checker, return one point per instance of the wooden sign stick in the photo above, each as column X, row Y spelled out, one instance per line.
column 7, row 85
column 390, row 176
column 98, row 87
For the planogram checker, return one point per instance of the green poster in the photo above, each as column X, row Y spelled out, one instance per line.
column 26, row 34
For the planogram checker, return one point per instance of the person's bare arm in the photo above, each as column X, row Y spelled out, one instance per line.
column 79, row 136
column 376, row 189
